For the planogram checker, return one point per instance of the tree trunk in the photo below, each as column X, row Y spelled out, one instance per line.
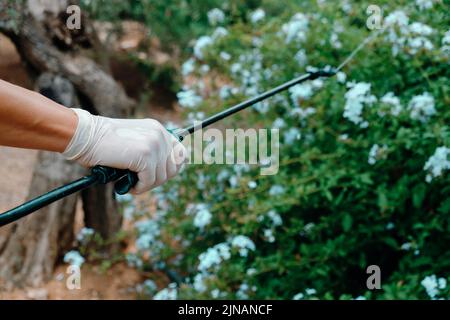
column 30, row 248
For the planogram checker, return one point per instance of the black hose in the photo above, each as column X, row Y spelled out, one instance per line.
column 46, row 199
column 99, row 175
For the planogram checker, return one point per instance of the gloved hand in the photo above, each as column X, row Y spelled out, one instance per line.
column 142, row 146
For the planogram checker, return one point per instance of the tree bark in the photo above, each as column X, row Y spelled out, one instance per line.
column 30, row 248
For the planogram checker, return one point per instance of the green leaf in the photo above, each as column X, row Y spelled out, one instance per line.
column 347, row 222
column 418, row 195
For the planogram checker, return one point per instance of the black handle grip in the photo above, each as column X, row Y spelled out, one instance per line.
column 126, row 179
column 124, row 184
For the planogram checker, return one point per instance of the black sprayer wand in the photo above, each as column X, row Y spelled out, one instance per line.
column 125, row 179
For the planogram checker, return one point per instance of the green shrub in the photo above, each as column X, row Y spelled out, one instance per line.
column 353, row 189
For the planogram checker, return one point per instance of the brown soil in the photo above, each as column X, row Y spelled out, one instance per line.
column 118, row 282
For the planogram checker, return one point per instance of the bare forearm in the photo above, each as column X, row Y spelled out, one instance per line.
column 29, row 120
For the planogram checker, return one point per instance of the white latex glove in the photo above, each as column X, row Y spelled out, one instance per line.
column 142, row 146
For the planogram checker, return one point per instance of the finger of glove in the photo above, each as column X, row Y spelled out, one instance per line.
column 171, row 167
column 161, row 173
column 179, row 153
column 147, row 180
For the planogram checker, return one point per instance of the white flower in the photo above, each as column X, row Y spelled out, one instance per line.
column 420, row 29
column 275, row 217
column 243, row 243
column 200, row 45
column 84, row 234
column 437, row 163
column 301, row 57
column 252, row 184
column 398, row 18
column 188, row 98
column 307, row 229
column 360, row 298
column 215, row 293
column 375, row 153
column 301, row 91
column 216, row 16
column 134, row 261
column 335, row 42
column 341, row 77
column 236, row 68
column 225, row 55
column 220, row 32
column 202, row 217
column 169, row 293
column 298, row 296
column 291, row 135
column 406, row 246
column 251, row 271
column 268, row 234
column 394, row 102
column 276, row 190
column 442, row 283
column 234, row 181
column 446, row 42
column 296, row 28
column 149, row 286
column 199, row 283
column 74, row 258
column 346, row 6
column 310, row 291
column 278, row 123
column 418, row 43
column 422, row 107
column 262, row 107
column 356, row 97
column 214, row 256
column 204, row 69
column 148, row 232
column 227, row 91
column 188, row 67
column 432, row 285
column 257, row 15
column 390, row 226
column 242, row 292
column 424, row 4
column 301, row 112
column 403, row 35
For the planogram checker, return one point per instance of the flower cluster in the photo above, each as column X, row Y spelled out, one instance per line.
column 424, row 4
column 257, row 15
column 433, row 285
column 437, row 163
column 393, row 102
column 296, row 29
column 403, row 35
column 422, row 107
column 189, row 98
column 376, row 153
column 202, row 216
column 74, row 258
column 169, row 293
column 356, row 98
column 216, row 16
column 446, row 42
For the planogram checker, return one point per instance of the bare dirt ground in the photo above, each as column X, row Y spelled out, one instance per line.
column 16, row 169
column 118, row 282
